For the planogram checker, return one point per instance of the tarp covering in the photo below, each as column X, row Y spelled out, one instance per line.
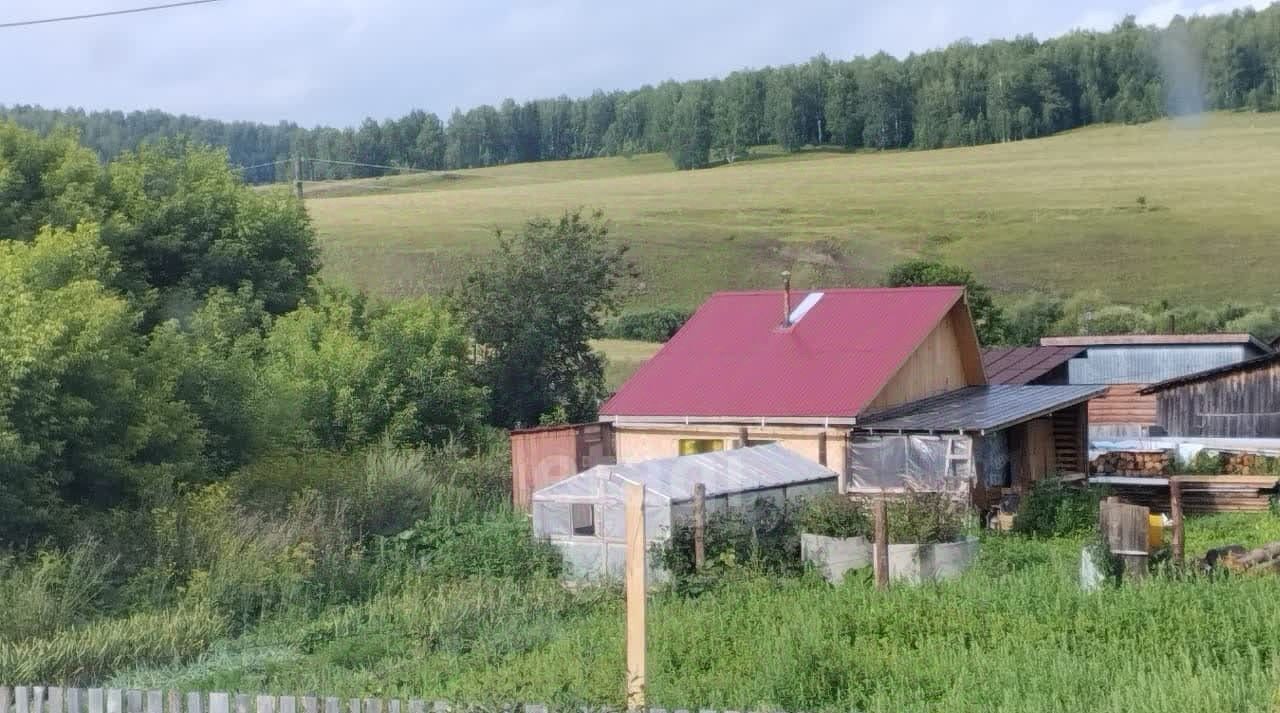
column 910, row 463
column 722, row 473
column 735, row 479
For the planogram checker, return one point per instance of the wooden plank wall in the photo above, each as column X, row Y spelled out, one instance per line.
column 1123, row 404
column 941, row 363
column 1244, row 404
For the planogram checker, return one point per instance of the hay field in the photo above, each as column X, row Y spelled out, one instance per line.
column 1186, row 212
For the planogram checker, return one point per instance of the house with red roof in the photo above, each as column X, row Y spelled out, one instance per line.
column 872, row 383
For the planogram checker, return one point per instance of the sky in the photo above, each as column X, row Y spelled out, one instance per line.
column 336, row 61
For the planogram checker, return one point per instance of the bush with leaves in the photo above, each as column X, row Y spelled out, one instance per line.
column 657, row 325
column 761, row 537
column 988, row 319
column 834, row 515
column 925, row 518
column 1054, row 508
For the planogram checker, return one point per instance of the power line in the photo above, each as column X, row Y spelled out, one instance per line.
column 108, row 13
column 371, row 165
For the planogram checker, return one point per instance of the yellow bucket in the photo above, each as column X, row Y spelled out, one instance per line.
column 1155, row 532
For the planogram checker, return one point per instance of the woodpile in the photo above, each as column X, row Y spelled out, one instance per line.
column 1247, row 464
column 1133, row 463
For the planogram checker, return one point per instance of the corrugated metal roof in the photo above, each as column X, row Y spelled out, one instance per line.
column 723, row 473
column 1149, row 364
column 1149, row 339
column 732, row 359
column 979, row 408
column 1023, row 365
column 1261, row 362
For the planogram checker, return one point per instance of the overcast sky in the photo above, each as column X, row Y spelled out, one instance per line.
column 336, row 61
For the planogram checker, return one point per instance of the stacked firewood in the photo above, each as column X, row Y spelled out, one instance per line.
column 1136, row 463
column 1246, row 464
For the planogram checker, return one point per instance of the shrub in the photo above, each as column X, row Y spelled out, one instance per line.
column 834, row 515
column 501, row 545
column 761, row 538
column 1204, row 462
column 657, row 325
column 925, row 519
column 1053, row 508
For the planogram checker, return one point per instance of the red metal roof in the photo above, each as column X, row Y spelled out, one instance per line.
column 732, row 359
column 1023, row 365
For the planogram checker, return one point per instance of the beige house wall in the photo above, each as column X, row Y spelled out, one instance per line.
column 646, row 442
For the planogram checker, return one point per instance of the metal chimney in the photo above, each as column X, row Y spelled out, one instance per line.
column 786, row 298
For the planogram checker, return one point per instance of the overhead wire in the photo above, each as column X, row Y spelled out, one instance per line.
column 105, row 13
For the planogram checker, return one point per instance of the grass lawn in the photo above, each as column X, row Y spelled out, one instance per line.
column 1060, row 213
column 1014, row 634
column 624, row 357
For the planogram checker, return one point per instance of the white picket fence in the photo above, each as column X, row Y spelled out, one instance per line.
column 53, row 699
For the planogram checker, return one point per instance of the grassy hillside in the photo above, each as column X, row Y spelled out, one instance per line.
column 1163, row 210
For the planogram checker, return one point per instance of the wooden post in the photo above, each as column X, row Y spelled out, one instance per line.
column 822, row 448
column 742, row 437
column 297, row 176
column 1175, row 514
column 882, row 543
column 636, row 592
column 699, row 526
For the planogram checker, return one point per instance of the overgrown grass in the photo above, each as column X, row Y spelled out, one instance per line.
column 1015, row 633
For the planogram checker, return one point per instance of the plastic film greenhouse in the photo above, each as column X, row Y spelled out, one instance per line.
column 583, row 515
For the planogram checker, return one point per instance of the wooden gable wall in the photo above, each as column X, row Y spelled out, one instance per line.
column 948, row 358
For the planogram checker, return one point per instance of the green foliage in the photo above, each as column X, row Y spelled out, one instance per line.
column 690, row 137
column 1017, row 621
column 52, row 590
column 501, row 545
column 183, row 223
column 1030, row 318
column 657, row 325
column 85, row 416
column 342, row 373
column 533, row 306
column 925, row 519
column 761, row 538
column 83, row 656
column 1052, row 508
column 51, row 181
column 987, row 318
column 834, row 515
column 1204, row 462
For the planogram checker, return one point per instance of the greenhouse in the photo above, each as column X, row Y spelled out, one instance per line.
column 583, row 515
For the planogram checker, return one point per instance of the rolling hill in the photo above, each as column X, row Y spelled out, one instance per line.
column 1185, row 211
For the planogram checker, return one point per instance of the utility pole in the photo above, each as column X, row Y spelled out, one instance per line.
column 297, row 176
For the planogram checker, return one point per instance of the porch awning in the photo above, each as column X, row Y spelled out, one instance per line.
column 977, row 409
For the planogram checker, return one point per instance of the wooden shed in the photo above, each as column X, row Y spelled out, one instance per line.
column 542, row 456
column 1236, row 401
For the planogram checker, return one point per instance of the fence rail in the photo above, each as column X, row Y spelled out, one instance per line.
column 54, row 699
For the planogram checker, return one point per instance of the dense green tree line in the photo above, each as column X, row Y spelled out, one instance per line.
column 965, row 94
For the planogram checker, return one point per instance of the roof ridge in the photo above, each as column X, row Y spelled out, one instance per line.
column 838, row 290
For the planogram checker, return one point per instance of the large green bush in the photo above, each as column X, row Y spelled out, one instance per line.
column 657, row 325
column 834, row 515
column 1054, row 508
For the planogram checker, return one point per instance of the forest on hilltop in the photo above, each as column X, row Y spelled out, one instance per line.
column 965, row 94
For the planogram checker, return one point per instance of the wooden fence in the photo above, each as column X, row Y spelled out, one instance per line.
column 52, row 699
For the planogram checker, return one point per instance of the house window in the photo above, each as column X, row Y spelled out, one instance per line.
column 760, row 442
column 583, row 519
column 694, row 446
